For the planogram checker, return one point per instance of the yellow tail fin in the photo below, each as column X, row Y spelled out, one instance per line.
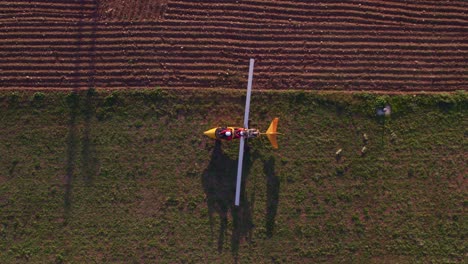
column 271, row 133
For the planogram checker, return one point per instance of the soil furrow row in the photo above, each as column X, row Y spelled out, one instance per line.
column 181, row 43
column 329, row 8
column 8, row 62
column 18, row 37
column 241, row 52
column 110, row 31
column 6, row 68
column 455, row 6
column 87, row 25
column 218, row 73
column 314, row 15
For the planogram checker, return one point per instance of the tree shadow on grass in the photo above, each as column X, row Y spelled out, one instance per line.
column 219, row 183
column 273, row 187
column 72, row 142
column 88, row 157
column 89, row 161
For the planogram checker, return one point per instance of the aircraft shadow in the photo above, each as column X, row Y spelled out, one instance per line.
column 219, row 183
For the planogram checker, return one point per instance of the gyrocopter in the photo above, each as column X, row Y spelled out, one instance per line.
column 243, row 133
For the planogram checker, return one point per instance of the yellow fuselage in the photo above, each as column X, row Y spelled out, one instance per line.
column 212, row 132
column 238, row 132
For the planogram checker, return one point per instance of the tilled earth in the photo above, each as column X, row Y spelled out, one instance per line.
column 351, row 45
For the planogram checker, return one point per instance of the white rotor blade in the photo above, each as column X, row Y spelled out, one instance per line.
column 249, row 91
column 242, row 140
column 239, row 170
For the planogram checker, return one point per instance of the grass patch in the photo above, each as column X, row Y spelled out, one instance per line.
column 123, row 176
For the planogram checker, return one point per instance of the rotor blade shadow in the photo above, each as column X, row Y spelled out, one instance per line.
column 242, row 215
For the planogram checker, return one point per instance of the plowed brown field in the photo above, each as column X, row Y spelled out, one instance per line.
column 392, row 45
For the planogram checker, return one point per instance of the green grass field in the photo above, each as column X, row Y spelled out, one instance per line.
column 127, row 177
